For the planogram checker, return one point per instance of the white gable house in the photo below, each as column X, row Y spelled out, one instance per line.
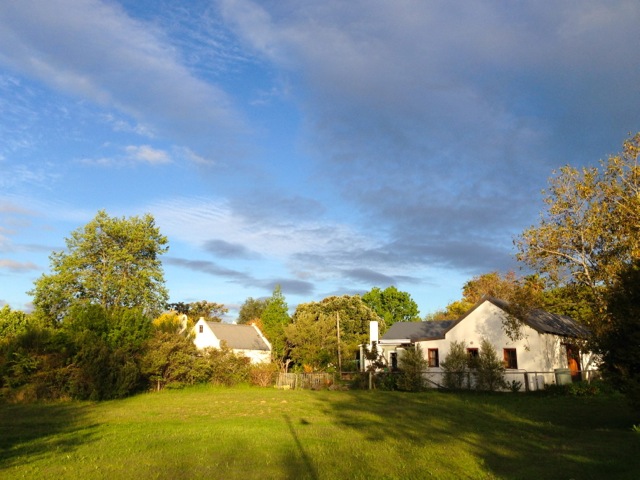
column 547, row 352
column 245, row 340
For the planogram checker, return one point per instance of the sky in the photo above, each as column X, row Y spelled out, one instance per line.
column 326, row 147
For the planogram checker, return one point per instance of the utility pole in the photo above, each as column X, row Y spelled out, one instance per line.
column 339, row 354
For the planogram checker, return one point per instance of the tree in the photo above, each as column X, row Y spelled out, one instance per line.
column 492, row 284
column 489, row 368
column 392, row 306
column 12, row 322
column 590, row 230
column 252, row 310
column 313, row 334
column 456, row 367
column 412, row 368
column 620, row 341
column 275, row 318
column 210, row 311
column 111, row 262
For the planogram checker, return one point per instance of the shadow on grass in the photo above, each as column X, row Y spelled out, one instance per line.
column 510, row 436
column 35, row 429
column 300, row 461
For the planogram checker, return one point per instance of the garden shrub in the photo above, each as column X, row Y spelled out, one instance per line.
column 489, row 369
column 263, row 374
column 456, row 367
column 226, row 367
column 412, row 367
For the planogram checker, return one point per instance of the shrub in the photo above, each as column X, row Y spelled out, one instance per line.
column 456, row 367
column 489, row 369
column 412, row 367
column 226, row 368
column 263, row 374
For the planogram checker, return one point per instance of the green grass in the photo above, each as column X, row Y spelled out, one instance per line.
column 209, row 432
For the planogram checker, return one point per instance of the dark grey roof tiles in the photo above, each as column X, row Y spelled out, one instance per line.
column 417, row 330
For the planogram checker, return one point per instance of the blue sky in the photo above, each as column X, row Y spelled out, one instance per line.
column 328, row 147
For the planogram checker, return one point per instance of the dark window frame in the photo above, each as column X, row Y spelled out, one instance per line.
column 510, row 356
column 433, row 358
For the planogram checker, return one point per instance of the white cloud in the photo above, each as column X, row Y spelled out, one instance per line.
column 94, row 50
column 147, row 154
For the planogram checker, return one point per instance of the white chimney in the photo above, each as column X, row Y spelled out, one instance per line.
column 373, row 332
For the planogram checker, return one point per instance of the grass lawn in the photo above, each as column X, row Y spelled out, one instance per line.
column 209, row 432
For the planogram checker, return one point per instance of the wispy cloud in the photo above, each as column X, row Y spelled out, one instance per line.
column 17, row 267
column 132, row 155
column 97, row 52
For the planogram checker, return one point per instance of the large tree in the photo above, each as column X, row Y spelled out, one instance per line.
column 275, row 318
column 326, row 333
column 590, row 229
column 111, row 262
column 492, row 283
column 251, row 311
column 391, row 305
column 620, row 341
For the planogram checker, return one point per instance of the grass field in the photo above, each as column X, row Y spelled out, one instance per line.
column 242, row 433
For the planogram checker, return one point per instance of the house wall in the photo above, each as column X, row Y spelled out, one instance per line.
column 537, row 354
column 256, row 356
column 206, row 338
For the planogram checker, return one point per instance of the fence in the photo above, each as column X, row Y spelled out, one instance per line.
column 314, row 381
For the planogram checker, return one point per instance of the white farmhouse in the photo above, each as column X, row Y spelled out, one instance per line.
column 245, row 340
column 547, row 353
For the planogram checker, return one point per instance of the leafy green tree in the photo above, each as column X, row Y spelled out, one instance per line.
column 456, row 367
column 111, row 262
column 12, row 322
column 252, row 310
column 275, row 319
column 412, row 367
column 620, row 340
column 392, row 306
column 590, row 230
column 210, row 311
column 313, row 335
column 172, row 360
column 489, row 368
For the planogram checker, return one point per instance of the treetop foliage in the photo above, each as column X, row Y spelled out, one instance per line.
column 590, row 229
column 111, row 262
column 392, row 306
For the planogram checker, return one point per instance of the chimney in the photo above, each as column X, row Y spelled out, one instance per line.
column 373, row 332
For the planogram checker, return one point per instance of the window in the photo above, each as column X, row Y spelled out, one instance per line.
column 433, row 357
column 394, row 361
column 510, row 358
column 473, row 354
column 201, row 329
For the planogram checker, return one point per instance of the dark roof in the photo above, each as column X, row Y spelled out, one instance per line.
column 417, row 331
column 546, row 322
column 239, row 337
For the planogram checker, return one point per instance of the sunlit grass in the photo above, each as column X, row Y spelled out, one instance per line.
column 209, row 432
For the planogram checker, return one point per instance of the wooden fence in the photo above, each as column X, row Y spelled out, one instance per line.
column 315, row 381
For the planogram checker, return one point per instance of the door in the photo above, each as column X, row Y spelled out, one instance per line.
column 574, row 362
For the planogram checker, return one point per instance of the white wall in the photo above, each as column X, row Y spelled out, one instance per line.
column 206, row 338
column 536, row 352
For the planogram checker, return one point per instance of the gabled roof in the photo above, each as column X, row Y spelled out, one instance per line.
column 539, row 320
column 417, row 331
column 239, row 337
column 543, row 321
